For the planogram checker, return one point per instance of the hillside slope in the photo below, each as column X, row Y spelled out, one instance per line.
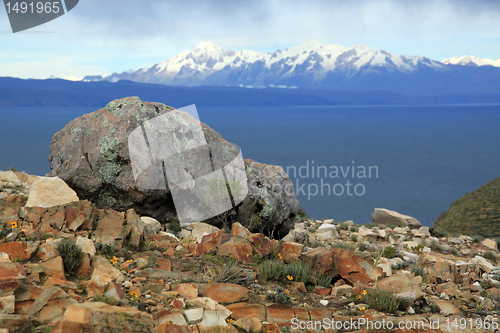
column 477, row 212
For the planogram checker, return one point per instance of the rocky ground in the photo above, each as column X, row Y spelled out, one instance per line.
column 68, row 266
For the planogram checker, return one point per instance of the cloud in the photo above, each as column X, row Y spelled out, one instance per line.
column 119, row 35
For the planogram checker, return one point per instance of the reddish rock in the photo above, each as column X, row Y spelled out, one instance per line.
column 52, row 281
column 290, row 251
column 177, row 303
column 50, row 305
column 320, row 314
column 114, row 291
column 110, row 230
column 301, row 314
column 320, row 260
column 53, row 267
column 238, row 248
column 249, row 324
column 226, row 292
column 280, row 315
column 84, row 269
column 10, row 271
column 170, row 327
column 270, row 328
column 238, row 230
column 261, row 243
column 79, row 215
column 101, row 317
column 171, row 252
column 48, row 250
column 136, row 227
column 398, row 284
column 300, row 286
column 15, row 323
column 7, row 304
column 7, row 288
column 210, row 242
column 67, row 327
column 353, row 268
column 19, row 251
column 321, row 290
column 164, row 264
column 188, row 290
column 104, row 272
column 241, row 310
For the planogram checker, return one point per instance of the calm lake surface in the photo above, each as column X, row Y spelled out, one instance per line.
column 413, row 159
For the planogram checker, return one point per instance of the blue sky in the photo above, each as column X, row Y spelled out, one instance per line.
column 101, row 37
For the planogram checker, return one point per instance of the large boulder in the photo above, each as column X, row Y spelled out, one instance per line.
column 391, row 218
column 271, row 204
column 91, row 154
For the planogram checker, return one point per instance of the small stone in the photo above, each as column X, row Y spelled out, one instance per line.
column 323, row 302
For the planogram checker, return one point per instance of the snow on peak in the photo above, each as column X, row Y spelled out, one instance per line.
column 471, row 61
column 311, row 55
column 209, row 49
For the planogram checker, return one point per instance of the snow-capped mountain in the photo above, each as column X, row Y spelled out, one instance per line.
column 209, row 64
column 315, row 66
column 471, row 61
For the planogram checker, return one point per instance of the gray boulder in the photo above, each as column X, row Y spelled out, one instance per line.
column 91, row 154
column 391, row 218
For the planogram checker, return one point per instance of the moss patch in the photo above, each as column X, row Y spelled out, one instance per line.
column 109, row 151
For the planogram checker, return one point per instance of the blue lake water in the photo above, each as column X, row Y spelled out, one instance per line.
column 421, row 158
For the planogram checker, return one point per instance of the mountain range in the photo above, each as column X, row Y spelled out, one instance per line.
column 313, row 65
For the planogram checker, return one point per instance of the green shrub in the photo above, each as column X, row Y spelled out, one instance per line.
column 299, row 272
column 362, row 246
column 389, row 252
column 418, row 248
column 343, row 246
column 453, row 251
column 70, row 253
column 272, row 270
column 175, row 226
column 343, row 226
column 12, row 169
column 107, row 300
column 477, row 238
column 302, row 214
column 280, row 296
column 224, row 272
column 354, row 229
column 354, row 238
column 403, row 265
column 382, row 300
column 417, row 271
column 490, row 256
column 317, row 243
column 107, row 250
column 438, row 233
column 324, row 280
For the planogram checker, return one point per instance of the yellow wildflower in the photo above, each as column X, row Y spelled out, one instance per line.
column 364, row 292
column 134, row 294
column 289, row 277
column 358, row 297
column 362, row 309
column 114, row 260
column 229, row 320
column 13, row 224
column 287, row 291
